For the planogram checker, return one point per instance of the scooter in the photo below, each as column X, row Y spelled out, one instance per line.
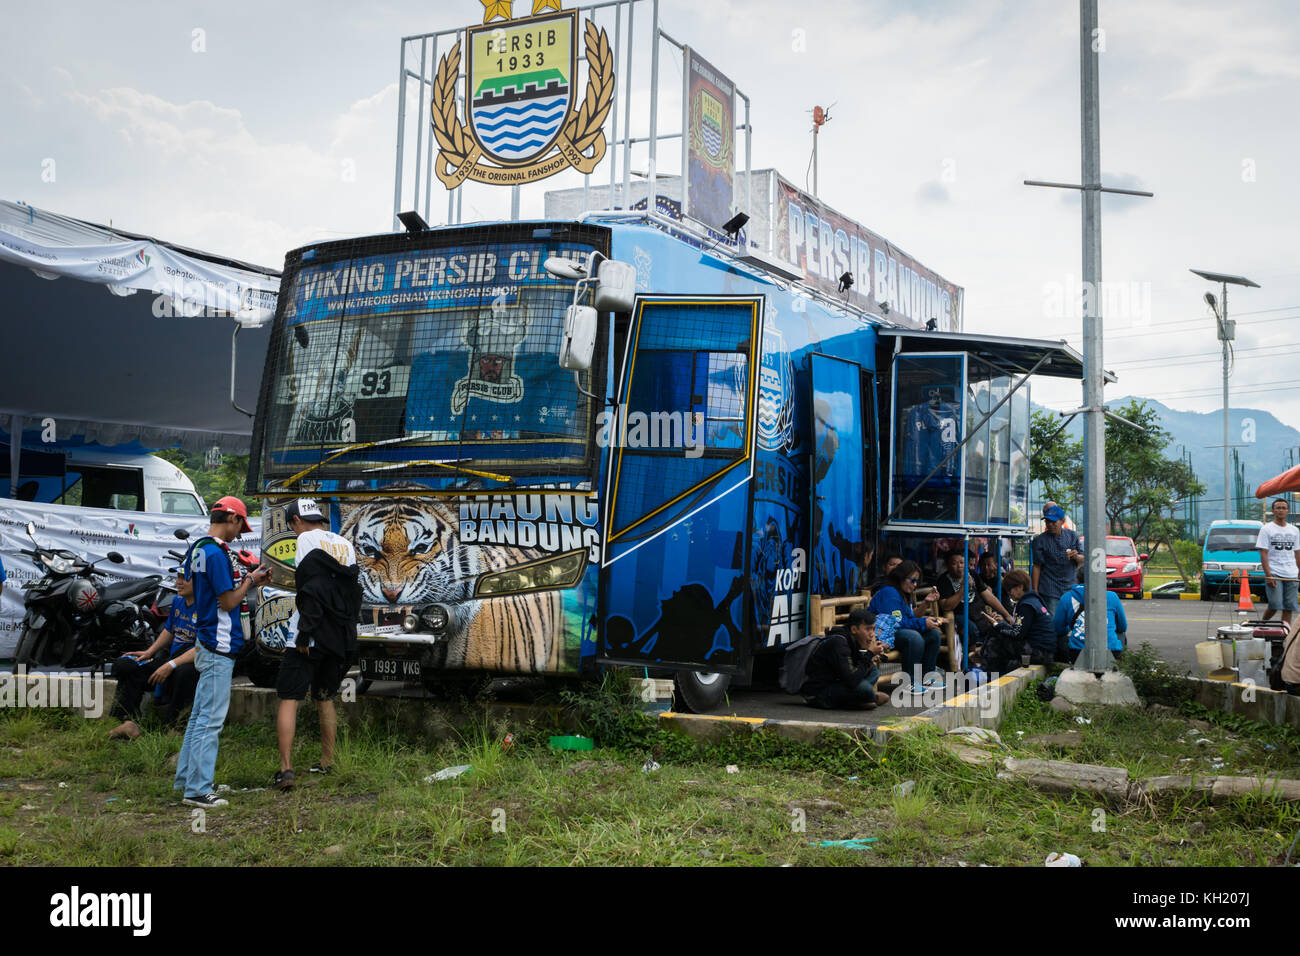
column 74, row 620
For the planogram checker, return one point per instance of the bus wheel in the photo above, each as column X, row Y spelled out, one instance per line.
column 699, row 692
column 261, row 669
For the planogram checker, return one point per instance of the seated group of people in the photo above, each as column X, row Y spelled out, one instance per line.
column 844, row 671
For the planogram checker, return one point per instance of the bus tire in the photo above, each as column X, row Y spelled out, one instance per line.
column 262, row 669
column 699, row 692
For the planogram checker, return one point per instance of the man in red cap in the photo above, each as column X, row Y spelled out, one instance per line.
column 220, row 635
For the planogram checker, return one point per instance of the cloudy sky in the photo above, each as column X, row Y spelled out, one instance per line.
column 249, row 129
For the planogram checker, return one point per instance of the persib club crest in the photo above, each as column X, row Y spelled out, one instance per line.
column 521, row 80
column 493, row 342
column 775, row 411
column 712, row 141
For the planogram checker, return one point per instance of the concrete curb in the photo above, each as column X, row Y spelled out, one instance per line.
column 1253, row 701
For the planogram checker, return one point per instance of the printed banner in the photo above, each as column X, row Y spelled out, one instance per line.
column 886, row 281
column 710, row 142
column 90, row 533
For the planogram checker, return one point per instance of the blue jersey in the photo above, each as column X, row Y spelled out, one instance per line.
column 209, row 568
column 182, row 624
column 3, row 577
column 932, row 432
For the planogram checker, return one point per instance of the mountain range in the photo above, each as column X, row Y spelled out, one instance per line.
column 1261, row 440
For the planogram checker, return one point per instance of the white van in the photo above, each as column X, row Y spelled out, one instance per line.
column 99, row 479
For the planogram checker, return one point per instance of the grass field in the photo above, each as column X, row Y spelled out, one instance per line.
column 69, row 796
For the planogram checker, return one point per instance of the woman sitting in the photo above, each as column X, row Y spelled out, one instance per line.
column 916, row 639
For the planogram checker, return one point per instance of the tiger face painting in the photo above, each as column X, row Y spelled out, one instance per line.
column 410, row 553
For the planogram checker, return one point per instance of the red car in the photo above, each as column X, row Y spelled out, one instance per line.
column 1124, row 567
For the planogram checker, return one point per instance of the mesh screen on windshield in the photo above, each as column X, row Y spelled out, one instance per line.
column 442, row 359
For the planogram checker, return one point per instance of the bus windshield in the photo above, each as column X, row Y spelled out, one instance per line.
column 449, row 355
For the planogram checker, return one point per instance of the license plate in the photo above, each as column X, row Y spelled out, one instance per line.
column 390, row 668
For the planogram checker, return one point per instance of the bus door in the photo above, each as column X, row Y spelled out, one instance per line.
column 674, row 588
column 840, row 500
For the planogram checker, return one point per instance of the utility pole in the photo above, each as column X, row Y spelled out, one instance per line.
column 1095, row 656
column 1227, row 332
column 820, row 118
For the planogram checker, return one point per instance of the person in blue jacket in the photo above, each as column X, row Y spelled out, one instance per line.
column 1068, row 621
column 917, row 639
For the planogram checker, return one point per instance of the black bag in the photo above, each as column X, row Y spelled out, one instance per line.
column 1003, row 646
column 795, row 666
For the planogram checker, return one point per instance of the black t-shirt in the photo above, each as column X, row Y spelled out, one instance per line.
column 947, row 588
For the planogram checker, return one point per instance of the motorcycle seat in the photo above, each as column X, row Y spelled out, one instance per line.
column 126, row 590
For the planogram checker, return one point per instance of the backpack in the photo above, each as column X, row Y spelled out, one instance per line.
column 795, row 666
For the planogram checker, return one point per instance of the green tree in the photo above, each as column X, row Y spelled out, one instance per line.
column 1142, row 485
column 226, row 479
column 1056, row 460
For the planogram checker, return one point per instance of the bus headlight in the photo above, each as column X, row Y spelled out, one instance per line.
column 410, row 623
column 434, row 618
column 561, row 572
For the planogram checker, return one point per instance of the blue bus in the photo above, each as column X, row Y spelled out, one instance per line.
column 727, row 442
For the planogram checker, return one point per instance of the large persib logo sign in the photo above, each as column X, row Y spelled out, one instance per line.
column 520, row 124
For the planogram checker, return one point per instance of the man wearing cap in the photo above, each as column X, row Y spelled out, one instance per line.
column 220, row 636
column 323, row 632
column 1055, row 553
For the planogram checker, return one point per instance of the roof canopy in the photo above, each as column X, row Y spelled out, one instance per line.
column 123, row 368
column 1010, row 354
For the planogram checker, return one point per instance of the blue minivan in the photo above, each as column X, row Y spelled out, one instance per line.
column 1228, row 552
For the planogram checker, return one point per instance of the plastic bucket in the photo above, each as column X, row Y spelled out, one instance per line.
column 1254, row 649
column 1223, row 674
column 1209, row 656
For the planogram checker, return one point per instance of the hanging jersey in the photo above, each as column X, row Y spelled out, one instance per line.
column 932, row 433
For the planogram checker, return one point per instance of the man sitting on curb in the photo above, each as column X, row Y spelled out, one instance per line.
column 136, row 670
column 842, row 673
column 323, row 630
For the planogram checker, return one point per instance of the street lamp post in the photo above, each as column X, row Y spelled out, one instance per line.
column 1227, row 332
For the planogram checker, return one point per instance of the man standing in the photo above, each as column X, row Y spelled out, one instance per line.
column 220, row 636
column 1277, row 545
column 323, row 630
column 1055, row 553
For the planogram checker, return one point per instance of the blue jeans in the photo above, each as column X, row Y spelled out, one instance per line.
column 839, row 697
column 197, row 764
column 917, row 648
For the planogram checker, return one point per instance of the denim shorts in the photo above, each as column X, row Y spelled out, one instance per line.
column 1282, row 595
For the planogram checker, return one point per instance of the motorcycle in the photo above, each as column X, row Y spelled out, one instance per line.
column 72, row 619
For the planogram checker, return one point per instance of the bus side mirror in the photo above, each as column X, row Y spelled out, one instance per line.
column 579, row 340
column 615, row 286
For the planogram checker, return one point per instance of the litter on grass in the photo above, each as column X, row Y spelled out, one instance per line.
column 732, row 768
column 650, row 766
column 1083, row 720
column 862, row 844
column 1062, row 859
column 446, row 773
column 904, row 788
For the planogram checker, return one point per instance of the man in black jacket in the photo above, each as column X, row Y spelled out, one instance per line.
column 323, row 630
column 842, row 673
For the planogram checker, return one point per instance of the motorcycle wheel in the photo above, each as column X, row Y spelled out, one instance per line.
column 25, row 654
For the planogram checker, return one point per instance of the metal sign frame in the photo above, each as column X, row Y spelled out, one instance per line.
column 420, row 55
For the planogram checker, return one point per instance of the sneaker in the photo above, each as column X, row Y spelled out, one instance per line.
column 207, row 800
column 317, row 768
column 283, row 780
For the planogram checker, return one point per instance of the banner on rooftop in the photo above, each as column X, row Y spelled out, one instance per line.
column 710, row 126
column 886, row 281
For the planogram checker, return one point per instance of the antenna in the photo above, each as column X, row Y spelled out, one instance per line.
column 820, row 118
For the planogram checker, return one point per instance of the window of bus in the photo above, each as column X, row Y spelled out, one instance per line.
column 928, row 427
column 448, row 355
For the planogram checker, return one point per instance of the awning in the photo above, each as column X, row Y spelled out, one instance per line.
column 123, row 369
column 1289, row 480
column 1013, row 355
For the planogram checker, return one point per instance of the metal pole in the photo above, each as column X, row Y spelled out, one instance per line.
column 401, row 128
column 514, row 203
column 815, row 131
column 654, row 108
column 613, row 114
column 1223, row 334
column 420, row 122
column 1096, row 655
column 627, row 107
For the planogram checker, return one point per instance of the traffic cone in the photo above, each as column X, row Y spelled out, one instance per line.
column 1244, row 603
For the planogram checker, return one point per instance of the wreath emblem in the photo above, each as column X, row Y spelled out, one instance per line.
column 579, row 141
